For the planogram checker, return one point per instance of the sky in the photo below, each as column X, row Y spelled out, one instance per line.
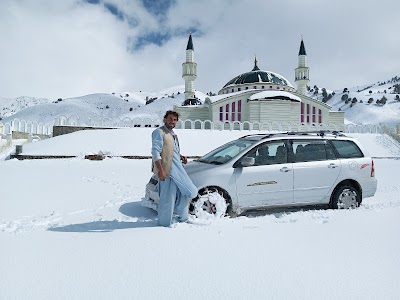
column 78, row 231
column 71, row 48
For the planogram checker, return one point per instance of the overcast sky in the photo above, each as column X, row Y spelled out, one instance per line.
column 69, row 48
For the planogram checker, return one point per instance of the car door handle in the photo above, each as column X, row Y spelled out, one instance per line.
column 332, row 166
column 285, row 169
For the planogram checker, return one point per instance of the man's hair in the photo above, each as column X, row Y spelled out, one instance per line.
column 171, row 112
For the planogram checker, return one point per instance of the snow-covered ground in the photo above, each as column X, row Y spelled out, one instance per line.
column 74, row 229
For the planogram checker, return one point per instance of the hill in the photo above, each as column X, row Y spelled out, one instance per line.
column 367, row 104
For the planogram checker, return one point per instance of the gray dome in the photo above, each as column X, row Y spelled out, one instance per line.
column 258, row 76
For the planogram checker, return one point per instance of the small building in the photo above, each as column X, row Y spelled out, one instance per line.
column 257, row 96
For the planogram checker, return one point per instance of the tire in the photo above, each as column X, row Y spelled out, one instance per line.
column 210, row 206
column 346, row 196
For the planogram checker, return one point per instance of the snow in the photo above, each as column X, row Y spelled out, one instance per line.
column 75, row 229
column 268, row 94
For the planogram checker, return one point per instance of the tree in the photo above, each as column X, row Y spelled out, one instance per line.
column 324, row 95
column 345, row 97
column 345, row 90
column 396, row 89
column 383, row 100
column 397, row 98
column 370, row 92
column 354, row 100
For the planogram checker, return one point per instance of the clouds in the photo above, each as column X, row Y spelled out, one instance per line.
column 70, row 48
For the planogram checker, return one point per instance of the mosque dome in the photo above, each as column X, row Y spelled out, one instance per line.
column 258, row 76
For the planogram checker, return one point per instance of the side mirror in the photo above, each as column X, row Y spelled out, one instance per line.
column 247, row 161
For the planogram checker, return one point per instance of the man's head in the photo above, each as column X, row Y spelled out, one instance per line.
column 170, row 119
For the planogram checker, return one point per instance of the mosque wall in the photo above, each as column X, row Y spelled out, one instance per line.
column 274, row 111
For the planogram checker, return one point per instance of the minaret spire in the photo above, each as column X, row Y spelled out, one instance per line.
column 302, row 72
column 189, row 70
column 256, row 68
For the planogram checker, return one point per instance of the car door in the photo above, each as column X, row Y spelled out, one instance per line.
column 269, row 181
column 315, row 170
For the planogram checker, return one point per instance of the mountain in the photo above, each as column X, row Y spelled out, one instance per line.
column 357, row 108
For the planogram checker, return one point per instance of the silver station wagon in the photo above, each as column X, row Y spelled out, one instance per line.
column 289, row 169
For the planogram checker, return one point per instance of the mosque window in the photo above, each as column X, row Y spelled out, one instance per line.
column 255, row 87
column 233, row 90
column 263, row 87
column 313, row 114
column 227, row 112
column 270, row 87
column 221, row 113
column 319, row 116
column 247, row 87
column 308, row 113
column 233, row 111
column 239, row 114
column 239, row 89
column 302, row 112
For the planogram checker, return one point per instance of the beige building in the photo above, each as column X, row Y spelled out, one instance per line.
column 257, row 97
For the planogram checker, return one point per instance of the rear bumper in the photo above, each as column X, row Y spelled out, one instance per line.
column 370, row 188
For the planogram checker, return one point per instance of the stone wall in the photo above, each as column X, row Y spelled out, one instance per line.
column 16, row 135
column 60, row 130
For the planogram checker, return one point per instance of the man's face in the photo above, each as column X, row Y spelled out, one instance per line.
column 170, row 121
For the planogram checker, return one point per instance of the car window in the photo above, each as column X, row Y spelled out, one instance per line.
column 347, row 149
column 226, row 152
column 309, row 150
column 269, row 153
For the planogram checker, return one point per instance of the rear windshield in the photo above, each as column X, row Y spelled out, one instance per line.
column 347, row 149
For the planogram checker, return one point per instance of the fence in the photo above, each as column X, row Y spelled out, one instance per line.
column 46, row 129
column 25, row 126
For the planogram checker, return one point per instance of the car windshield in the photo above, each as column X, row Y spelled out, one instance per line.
column 226, row 152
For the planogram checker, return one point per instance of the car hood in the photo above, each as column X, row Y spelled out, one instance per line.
column 195, row 166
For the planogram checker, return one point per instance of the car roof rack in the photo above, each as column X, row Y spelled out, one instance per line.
column 320, row 133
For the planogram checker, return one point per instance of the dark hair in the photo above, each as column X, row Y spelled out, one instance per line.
column 171, row 112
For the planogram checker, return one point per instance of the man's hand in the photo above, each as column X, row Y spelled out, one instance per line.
column 183, row 159
column 161, row 175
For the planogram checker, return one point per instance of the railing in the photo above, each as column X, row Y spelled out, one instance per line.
column 46, row 129
column 25, row 126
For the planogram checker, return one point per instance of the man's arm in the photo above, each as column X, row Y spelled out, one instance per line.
column 157, row 141
column 161, row 173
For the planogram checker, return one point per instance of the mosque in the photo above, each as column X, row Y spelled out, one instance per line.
column 256, row 96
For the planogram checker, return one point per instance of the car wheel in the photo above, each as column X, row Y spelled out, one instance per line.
column 212, row 202
column 345, row 197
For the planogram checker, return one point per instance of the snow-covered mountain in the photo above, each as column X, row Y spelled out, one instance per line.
column 361, row 104
column 127, row 104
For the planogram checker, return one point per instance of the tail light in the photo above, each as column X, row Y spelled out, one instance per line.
column 372, row 169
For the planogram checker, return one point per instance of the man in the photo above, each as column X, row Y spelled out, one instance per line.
column 174, row 185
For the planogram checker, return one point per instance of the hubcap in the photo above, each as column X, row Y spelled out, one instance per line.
column 347, row 199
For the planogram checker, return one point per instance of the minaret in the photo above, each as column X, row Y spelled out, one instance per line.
column 189, row 70
column 302, row 72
